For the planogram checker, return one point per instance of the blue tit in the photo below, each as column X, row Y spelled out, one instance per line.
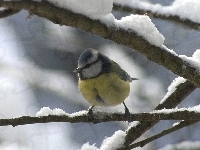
column 102, row 82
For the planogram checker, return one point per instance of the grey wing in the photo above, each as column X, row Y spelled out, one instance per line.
column 123, row 74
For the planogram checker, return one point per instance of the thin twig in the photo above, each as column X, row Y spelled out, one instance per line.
column 175, row 18
column 181, row 125
column 182, row 90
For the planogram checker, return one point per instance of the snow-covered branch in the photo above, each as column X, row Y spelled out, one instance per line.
column 118, row 32
column 174, row 98
column 175, row 127
column 47, row 115
column 151, row 12
column 159, row 54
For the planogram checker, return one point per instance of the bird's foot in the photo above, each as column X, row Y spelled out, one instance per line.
column 90, row 115
column 127, row 114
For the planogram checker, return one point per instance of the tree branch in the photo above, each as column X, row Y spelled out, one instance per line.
column 120, row 36
column 104, row 117
column 7, row 12
column 185, row 22
column 182, row 91
column 112, row 32
column 181, row 125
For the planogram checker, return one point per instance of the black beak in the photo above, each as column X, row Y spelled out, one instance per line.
column 77, row 70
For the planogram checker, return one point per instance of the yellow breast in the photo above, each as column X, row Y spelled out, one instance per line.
column 109, row 87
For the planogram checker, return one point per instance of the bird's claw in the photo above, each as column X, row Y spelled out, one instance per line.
column 127, row 114
column 90, row 115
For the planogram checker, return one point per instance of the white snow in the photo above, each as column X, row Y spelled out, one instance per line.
column 139, row 4
column 109, row 143
column 167, row 111
column 45, row 111
column 143, row 26
column 196, row 56
column 140, row 24
column 87, row 146
column 79, row 113
column 109, row 20
column 101, row 9
column 170, row 50
column 194, row 60
column 114, row 141
column 175, row 124
column 172, row 87
column 187, row 9
column 195, row 108
column 94, row 9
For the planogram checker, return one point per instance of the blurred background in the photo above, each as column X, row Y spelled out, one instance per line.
column 37, row 59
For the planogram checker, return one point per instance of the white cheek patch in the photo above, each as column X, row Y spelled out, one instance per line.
column 93, row 70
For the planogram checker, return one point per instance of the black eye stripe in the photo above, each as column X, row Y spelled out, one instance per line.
column 88, row 65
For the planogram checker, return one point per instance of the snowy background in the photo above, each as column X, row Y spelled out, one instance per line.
column 37, row 59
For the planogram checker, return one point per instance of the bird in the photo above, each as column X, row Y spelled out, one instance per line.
column 102, row 82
